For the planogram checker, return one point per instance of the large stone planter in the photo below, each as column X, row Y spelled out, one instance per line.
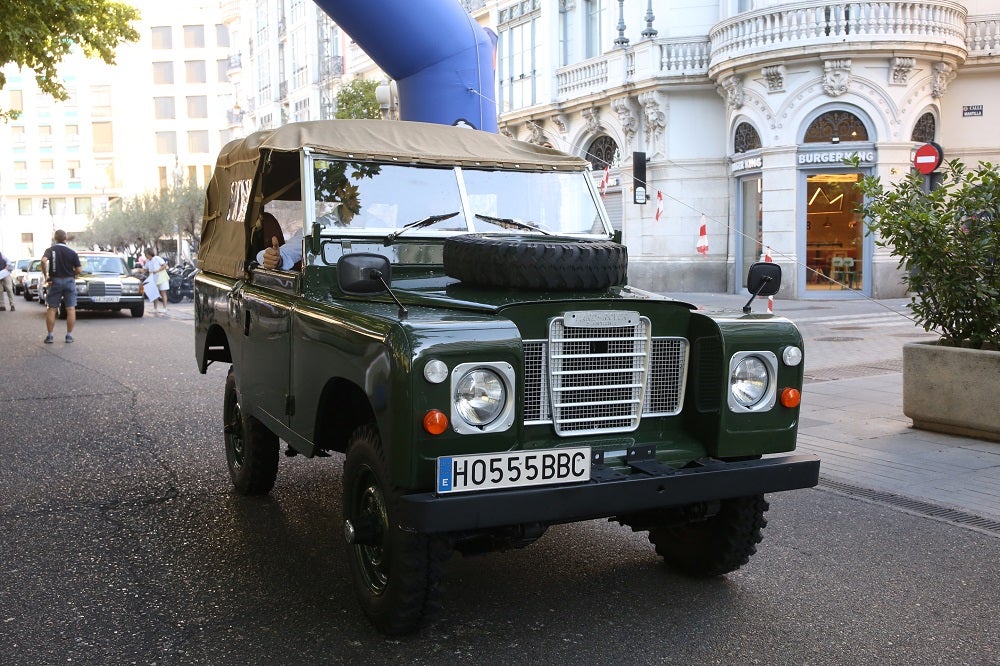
column 952, row 390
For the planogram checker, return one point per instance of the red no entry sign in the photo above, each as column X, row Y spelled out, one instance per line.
column 928, row 157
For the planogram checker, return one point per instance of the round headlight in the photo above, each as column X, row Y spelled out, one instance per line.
column 749, row 381
column 480, row 396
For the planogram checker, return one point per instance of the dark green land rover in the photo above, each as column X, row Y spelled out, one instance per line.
column 456, row 320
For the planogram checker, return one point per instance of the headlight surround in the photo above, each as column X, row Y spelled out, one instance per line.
column 482, row 397
column 753, row 378
column 82, row 288
column 130, row 287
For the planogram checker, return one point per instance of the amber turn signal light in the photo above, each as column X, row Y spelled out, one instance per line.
column 435, row 422
column 790, row 397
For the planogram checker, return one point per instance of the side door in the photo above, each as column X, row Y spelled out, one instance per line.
column 267, row 301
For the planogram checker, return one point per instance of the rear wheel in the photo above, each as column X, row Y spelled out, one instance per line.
column 717, row 545
column 396, row 574
column 251, row 449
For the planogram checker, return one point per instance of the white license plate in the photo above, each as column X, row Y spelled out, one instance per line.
column 104, row 299
column 491, row 471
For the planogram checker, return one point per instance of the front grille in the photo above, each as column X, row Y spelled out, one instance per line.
column 601, row 379
column 97, row 288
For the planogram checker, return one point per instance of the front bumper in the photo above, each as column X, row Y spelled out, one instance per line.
column 608, row 493
column 123, row 302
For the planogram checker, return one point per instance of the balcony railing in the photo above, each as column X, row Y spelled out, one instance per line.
column 983, row 36
column 840, row 24
column 649, row 59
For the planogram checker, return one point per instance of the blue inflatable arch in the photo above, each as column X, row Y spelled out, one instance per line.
column 441, row 59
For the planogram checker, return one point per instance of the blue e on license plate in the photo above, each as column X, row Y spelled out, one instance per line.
column 491, row 471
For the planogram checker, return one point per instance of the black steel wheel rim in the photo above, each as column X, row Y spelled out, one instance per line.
column 369, row 507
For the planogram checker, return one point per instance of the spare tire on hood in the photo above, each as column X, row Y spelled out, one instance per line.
column 535, row 262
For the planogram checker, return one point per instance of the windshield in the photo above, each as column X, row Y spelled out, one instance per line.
column 114, row 265
column 385, row 198
column 555, row 202
column 36, row 266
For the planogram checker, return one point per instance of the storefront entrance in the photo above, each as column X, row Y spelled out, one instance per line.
column 835, row 259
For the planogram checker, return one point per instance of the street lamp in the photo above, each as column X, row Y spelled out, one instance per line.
column 178, row 179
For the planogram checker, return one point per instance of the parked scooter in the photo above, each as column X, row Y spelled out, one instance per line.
column 181, row 282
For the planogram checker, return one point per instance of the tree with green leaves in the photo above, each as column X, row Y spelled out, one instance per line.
column 356, row 99
column 132, row 224
column 947, row 240
column 38, row 34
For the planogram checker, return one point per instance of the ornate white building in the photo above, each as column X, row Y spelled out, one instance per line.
column 744, row 111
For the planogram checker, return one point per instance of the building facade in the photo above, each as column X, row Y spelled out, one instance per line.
column 153, row 119
column 744, row 111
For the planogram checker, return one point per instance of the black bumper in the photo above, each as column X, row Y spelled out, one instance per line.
column 607, row 494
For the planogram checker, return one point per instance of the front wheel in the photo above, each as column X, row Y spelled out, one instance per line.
column 717, row 545
column 396, row 574
column 251, row 449
column 138, row 310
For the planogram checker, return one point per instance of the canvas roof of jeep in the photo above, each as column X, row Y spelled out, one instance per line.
column 224, row 242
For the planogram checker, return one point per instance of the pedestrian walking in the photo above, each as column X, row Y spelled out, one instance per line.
column 6, row 282
column 156, row 267
column 60, row 266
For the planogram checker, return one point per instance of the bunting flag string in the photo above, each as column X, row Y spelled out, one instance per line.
column 702, row 246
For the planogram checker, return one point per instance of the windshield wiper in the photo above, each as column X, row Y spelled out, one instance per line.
column 511, row 223
column 426, row 222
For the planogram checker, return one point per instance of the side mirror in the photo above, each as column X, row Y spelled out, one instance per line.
column 362, row 273
column 764, row 279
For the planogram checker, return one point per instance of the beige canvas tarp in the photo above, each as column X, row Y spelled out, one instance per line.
column 225, row 235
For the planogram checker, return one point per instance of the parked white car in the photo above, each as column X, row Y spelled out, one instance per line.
column 20, row 267
column 33, row 280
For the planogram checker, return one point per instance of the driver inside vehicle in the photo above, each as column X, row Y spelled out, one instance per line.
column 277, row 253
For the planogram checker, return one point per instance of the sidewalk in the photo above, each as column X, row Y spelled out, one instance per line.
column 852, row 413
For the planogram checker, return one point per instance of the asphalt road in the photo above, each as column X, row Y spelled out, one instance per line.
column 121, row 542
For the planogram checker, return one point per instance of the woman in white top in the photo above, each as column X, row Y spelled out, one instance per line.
column 156, row 267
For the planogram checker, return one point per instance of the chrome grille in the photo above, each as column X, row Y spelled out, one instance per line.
column 98, row 288
column 667, row 369
column 602, row 379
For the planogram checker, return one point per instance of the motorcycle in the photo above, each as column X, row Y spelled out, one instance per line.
column 181, row 282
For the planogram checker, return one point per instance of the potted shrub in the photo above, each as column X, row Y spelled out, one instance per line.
column 948, row 243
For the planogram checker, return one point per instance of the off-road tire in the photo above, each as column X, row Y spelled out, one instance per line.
column 530, row 262
column 251, row 449
column 397, row 580
column 716, row 546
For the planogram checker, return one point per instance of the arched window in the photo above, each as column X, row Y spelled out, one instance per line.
column 925, row 128
column 746, row 138
column 602, row 152
column 836, row 126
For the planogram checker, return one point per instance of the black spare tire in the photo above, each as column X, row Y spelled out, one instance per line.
column 532, row 262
